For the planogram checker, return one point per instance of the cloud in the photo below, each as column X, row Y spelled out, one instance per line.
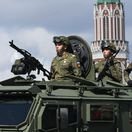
column 4, row 54
column 37, row 41
column 32, row 24
column 54, row 15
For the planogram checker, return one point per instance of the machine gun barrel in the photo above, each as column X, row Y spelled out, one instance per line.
column 21, row 51
column 31, row 61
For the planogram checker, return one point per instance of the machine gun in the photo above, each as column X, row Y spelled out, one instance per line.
column 106, row 67
column 27, row 64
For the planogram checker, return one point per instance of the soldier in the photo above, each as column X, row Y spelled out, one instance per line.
column 127, row 72
column 64, row 63
column 109, row 69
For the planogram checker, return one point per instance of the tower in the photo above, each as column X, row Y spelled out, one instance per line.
column 109, row 24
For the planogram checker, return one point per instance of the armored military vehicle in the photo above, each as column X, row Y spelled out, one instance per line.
column 82, row 105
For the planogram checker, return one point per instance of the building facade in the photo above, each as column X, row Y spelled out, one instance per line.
column 109, row 25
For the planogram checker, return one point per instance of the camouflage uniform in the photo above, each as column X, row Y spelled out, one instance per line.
column 127, row 71
column 66, row 64
column 114, row 71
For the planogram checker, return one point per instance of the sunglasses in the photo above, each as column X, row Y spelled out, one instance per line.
column 58, row 44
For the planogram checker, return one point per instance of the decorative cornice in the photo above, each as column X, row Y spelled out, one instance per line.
column 108, row 1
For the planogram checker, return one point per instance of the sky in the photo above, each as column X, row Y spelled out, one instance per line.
column 33, row 23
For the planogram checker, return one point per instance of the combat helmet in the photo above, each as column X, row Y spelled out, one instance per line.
column 107, row 45
column 61, row 39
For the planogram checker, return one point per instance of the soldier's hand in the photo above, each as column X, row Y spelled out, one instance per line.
column 129, row 83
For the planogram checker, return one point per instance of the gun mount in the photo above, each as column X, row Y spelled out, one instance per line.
column 27, row 64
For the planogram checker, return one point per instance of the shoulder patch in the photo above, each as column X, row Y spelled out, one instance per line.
column 78, row 64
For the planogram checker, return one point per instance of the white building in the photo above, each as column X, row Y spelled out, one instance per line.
column 109, row 24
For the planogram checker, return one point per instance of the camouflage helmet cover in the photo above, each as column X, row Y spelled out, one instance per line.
column 107, row 45
column 61, row 39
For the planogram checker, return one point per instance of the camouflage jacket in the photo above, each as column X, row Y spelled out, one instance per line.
column 65, row 65
column 127, row 71
column 114, row 72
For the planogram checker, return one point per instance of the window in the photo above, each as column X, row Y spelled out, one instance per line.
column 14, row 111
column 61, row 116
column 102, row 112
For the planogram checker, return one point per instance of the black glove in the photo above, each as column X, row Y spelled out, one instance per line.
column 129, row 83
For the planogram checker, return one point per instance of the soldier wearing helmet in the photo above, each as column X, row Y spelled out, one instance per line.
column 113, row 71
column 108, row 46
column 127, row 72
column 64, row 63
